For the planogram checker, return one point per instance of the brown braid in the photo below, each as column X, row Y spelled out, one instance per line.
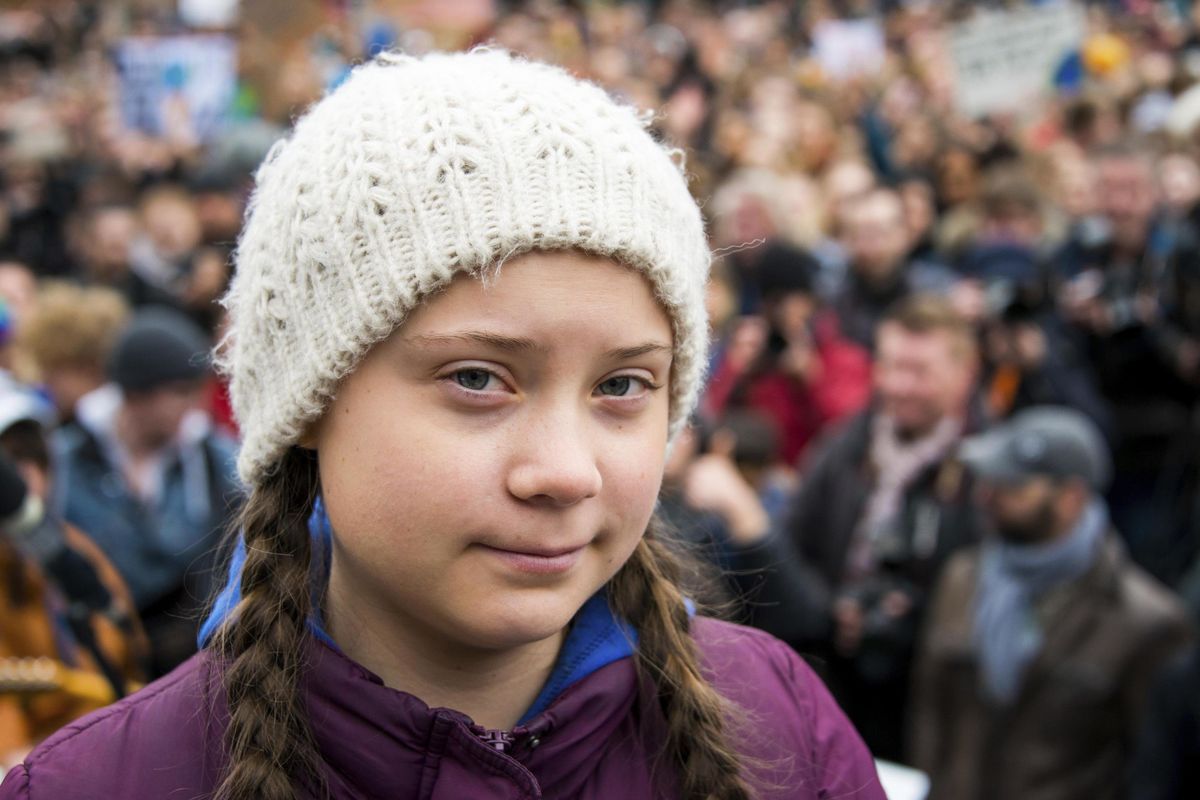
column 268, row 740
column 646, row 593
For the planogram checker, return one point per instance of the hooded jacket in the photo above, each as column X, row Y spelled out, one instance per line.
column 590, row 740
column 590, row 733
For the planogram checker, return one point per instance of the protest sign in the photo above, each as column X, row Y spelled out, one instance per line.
column 1004, row 60
column 193, row 76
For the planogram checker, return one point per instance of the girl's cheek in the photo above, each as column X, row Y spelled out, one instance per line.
column 636, row 481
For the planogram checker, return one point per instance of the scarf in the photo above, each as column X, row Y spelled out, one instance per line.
column 897, row 464
column 1012, row 577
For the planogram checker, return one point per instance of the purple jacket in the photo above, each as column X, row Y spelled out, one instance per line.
column 376, row 742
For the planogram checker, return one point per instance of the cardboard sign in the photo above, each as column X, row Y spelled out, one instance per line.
column 1004, row 60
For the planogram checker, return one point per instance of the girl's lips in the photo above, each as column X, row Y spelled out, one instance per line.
column 537, row 563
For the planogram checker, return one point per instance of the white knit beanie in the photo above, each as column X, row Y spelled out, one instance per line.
column 414, row 170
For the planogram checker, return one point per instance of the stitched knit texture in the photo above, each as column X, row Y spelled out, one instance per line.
column 415, row 170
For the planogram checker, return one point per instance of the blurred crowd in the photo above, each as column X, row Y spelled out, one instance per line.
column 949, row 447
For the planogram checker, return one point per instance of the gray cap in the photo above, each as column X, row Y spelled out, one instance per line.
column 1044, row 441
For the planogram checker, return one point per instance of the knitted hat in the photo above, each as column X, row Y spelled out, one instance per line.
column 418, row 169
column 158, row 347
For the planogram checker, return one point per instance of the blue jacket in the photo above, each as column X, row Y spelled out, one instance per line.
column 154, row 547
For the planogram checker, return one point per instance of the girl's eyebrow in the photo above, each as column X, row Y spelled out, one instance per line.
column 513, row 344
column 648, row 348
column 517, row 344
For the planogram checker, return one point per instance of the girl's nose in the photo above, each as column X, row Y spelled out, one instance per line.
column 556, row 466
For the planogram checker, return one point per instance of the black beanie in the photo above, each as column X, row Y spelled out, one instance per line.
column 160, row 346
column 784, row 269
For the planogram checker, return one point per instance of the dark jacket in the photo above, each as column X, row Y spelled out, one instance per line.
column 1136, row 361
column 377, row 742
column 1070, row 731
column 938, row 518
column 1166, row 763
column 1063, row 378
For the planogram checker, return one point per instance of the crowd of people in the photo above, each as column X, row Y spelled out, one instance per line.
column 949, row 444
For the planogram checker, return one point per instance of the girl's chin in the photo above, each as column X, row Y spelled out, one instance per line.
column 516, row 625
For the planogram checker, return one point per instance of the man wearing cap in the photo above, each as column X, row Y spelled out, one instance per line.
column 1040, row 642
column 147, row 476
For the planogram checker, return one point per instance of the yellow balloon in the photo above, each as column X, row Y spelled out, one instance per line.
column 1105, row 53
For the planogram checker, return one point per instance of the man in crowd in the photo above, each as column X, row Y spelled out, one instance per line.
column 1039, row 644
column 146, row 475
column 880, row 507
column 719, row 496
column 1117, row 301
column 877, row 242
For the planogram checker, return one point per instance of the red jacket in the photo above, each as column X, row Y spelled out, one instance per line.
column 841, row 387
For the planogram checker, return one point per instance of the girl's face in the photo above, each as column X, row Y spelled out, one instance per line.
column 495, row 461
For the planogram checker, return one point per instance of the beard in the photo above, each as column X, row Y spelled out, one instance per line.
column 1032, row 529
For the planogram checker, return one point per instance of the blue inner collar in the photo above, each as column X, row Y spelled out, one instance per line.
column 596, row 637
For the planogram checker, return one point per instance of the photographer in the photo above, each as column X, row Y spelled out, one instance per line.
column 881, row 506
column 721, row 494
column 1120, row 299
column 61, row 601
column 792, row 365
column 1029, row 357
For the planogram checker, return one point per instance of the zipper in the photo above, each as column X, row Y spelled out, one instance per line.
column 499, row 741
column 503, row 743
column 520, row 738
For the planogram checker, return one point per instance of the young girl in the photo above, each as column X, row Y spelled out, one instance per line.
column 466, row 323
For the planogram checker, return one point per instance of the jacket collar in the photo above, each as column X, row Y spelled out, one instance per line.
column 376, row 741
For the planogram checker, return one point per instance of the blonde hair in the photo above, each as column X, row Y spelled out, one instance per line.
column 73, row 326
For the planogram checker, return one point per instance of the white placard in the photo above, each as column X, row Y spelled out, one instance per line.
column 1003, row 60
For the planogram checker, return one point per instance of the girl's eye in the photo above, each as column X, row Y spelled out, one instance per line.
column 475, row 380
column 623, row 386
